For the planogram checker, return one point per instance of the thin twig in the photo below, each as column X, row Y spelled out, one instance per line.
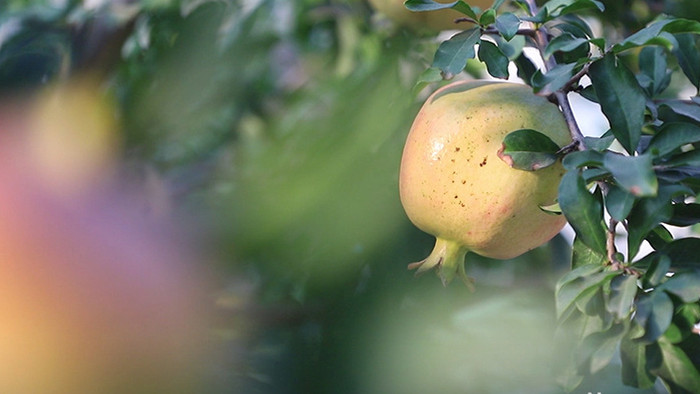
column 610, row 245
column 520, row 32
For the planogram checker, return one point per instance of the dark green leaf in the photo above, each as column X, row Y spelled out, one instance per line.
column 685, row 214
column 684, row 285
column 583, row 210
column 657, row 271
column 508, row 24
column 619, row 203
column 687, row 53
column 690, row 110
column 496, row 61
column 634, row 173
column 659, row 237
column 654, row 313
column 564, row 42
column 683, row 253
column 690, row 158
column 623, row 289
column 647, row 214
column 634, row 364
column 528, row 150
column 655, row 75
column 621, row 99
column 526, row 69
column 452, row 55
column 589, row 94
column 677, row 369
column 672, row 136
column 554, row 79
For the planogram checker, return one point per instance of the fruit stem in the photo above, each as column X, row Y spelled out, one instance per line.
column 447, row 258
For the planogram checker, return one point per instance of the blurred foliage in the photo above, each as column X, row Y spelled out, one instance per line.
column 277, row 127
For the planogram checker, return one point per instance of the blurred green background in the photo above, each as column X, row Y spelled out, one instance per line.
column 277, row 127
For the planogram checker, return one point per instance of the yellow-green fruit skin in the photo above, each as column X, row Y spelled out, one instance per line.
column 453, row 184
column 426, row 20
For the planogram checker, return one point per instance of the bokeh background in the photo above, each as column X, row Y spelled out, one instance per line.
column 202, row 196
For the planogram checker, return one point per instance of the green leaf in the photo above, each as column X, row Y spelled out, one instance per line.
column 430, row 75
column 684, row 285
column 452, row 55
column 562, row 7
column 553, row 80
column 526, row 69
column 647, row 214
column 528, row 150
column 690, row 110
column 583, row 255
column 659, row 237
column 488, row 17
column 690, row 158
column 687, row 53
column 583, row 210
column 621, row 99
column 685, row 214
column 427, row 5
column 657, row 271
column 683, row 253
column 623, row 289
column 654, row 314
column 672, row 136
column 634, row 173
column 634, row 357
column 496, row 61
column 619, row 203
column 565, row 42
column 599, row 348
column 655, row 75
column 507, row 24
column 599, row 143
column 579, row 283
column 657, row 33
column 677, row 369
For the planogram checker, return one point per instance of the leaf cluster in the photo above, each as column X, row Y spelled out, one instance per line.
column 643, row 174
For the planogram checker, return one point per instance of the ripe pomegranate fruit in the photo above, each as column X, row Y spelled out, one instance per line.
column 396, row 11
column 454, row 186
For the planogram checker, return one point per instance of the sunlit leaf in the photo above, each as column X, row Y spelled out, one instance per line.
column 452, row 55
column 507, row 24
column 528, row 150
column 657, row 33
